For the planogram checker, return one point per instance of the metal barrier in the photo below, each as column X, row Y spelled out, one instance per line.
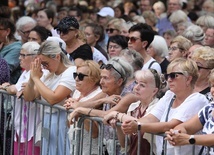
column 50, row 143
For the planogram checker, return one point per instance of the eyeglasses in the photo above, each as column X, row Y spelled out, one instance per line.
column 173, row 48
column 173, row 75
column 25, row 32
column 114, row 47
column 132, row 39
column 64, row 31
column 25, row 55
column 200, row 67
column 45, row 64
column 109, row 67
column 80, row 76
column 110, row 30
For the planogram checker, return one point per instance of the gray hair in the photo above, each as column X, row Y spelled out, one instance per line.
column 133, row 57
column 206, row 21
column 194, row 33
column 160, row 46
column 51, row 49
column 178, row 17
column 123, row 67
column 23, row 21
column 31, row 47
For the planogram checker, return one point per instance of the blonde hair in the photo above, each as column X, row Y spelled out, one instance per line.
column 205, row 53
column 211, row 77
column 93, row 71
column 186, row 66
column 116, row 23
column 151, row 17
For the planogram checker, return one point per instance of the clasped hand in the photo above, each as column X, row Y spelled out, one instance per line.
column 36, row 69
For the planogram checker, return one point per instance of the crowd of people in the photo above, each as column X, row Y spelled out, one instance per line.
column 145, row 63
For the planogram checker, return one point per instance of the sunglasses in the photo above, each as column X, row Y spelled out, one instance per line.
column 132, row 39
column 109, row 67
column 110, row 30
column 173, row 75
column 200, row 67
column 64, row 31
column 80, row 76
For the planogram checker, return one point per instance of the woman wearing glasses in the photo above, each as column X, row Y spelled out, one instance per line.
column 114, row 27
column 10, row 48
column 87, row 80
column 178, row 105
column 54, row 89
column 147, row 86
column 204, row 58
column 24, row 131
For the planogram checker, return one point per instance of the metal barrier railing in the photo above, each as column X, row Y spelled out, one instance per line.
column 8, row 106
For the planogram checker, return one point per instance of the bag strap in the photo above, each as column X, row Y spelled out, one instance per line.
column 150, row 65
column 166, row 119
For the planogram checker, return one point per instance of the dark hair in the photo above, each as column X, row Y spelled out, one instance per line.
column 98, row 30
column 42, row 32
column 146, row 32
column 50, row 14
column 121, row 8
column 5, row 12
column 75, row 8
column 7, row 23
column 118, row 39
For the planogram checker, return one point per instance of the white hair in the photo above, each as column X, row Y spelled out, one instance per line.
column 178, row 16
column 24, row 21
column 160, row 46
column 31, row 47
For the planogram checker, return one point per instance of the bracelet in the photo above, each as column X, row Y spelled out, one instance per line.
column 121, row 118
column 90, row 111
column 116, row 116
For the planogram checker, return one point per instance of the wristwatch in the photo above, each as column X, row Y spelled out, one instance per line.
column 192, row 139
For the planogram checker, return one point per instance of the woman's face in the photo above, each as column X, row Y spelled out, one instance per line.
column 203, row 70
column 144, row 89
column 112, row 31
column 4, row 33
column 90, row 37
column 42, row 19
column 33, row 36
column 50, row 64
column 175, row 52
column 177, row 80
column 151, row 51
column 114, row 49
column 108, row 82
column 86, row 84
column 69, row 36
column 25, row 59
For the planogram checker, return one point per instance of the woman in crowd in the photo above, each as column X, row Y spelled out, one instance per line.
column 184, row 134
column 116, row 44
column 159, row 51
column 94, row 34
column 24, row 131
column 39, row 34
column 178, row 105
column 78, row 50
column 204, row 58
column 179, row 47
column 205, row 21
column 147, row 85
column 45, row 18
column 87, row 80
column 10, row 48
column 114, row 27
column 54, row 89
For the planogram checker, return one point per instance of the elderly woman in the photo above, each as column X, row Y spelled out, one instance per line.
column 205, row 21
column 178, row 105
column 24, row 131
column 158, row 50
column 147, row 85
column 116, row 44
column 179, row 47
column 114, row 76
column 202, row 121
column 204, row 58
column 77, row 49
column 54, row 89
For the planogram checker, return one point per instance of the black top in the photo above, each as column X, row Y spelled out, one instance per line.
column 84, row 52
column 164, row 64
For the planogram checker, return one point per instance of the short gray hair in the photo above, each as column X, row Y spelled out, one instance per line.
column 160, row 46
column 178, row 16
column 31, row 47
column 23, row 21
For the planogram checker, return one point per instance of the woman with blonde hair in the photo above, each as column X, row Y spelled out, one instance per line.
column 114, row 26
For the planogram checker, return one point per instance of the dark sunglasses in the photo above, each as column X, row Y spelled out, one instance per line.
column 64, row 31
column 110, row 30
column 132, row 39
column 173, row 75
column 200, row 67
column 109, row 67
column 80, row 76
